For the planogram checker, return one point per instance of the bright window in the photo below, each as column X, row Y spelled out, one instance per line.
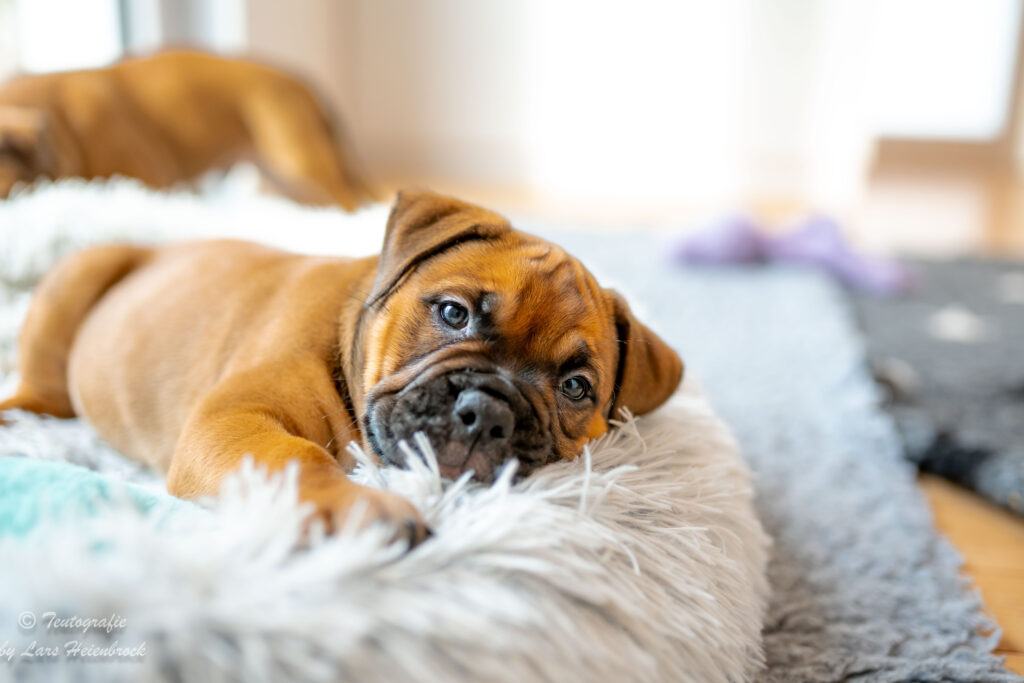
column 944, row 68
column 57, row 35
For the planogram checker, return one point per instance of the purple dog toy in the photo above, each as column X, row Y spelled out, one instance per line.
column 817, row 243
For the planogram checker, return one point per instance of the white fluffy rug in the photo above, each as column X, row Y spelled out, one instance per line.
column 642, row 561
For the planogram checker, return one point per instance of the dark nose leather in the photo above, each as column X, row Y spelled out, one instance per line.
column 482, row 418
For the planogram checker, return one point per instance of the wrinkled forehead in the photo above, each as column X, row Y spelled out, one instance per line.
column 537, row 295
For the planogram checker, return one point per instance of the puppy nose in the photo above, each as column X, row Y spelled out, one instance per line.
column 483, row 417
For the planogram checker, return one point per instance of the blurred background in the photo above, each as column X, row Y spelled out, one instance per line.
column 903, row 119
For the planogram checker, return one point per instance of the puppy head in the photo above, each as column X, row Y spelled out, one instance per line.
column 26, row 147
column 495, row 344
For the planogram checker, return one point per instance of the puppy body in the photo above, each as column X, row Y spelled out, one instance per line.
column 191, row 356
column 170, row 117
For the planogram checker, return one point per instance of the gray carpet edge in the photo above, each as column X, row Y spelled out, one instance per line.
column 979, row 662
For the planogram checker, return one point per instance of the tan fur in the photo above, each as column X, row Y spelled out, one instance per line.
column 170, row 117
column 190, row 356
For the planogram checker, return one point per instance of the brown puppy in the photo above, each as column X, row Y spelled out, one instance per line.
column 170, row 117
column 494, row 343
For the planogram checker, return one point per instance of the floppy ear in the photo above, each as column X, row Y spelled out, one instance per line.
column 16, row 148
column 648, row 371
column 26, row 136
column 20, row 127
column 422, row 225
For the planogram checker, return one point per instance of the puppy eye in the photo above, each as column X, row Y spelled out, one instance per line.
column 455, row 315
column 576, row 387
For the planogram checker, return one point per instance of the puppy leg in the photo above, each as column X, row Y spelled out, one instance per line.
column 226, row 428
column 296, row 145
column 61, row 302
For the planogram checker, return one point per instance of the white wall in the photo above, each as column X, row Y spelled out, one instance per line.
column 662, row 102
column 944, row 68
column 439, row 88
column 635, row 102
column 310, row 37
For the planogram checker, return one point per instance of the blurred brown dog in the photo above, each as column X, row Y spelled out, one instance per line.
column 170, row 117
column 493, row 343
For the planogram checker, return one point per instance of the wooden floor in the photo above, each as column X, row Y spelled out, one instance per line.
column 992, row 543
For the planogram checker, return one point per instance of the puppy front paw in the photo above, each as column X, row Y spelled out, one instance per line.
column 351, row 503
column 376, row 506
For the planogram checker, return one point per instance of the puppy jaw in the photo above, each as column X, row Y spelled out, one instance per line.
column 422, row 398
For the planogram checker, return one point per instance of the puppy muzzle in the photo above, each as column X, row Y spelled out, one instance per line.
column 473, row 420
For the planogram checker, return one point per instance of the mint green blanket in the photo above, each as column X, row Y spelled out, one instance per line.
column 34, row 491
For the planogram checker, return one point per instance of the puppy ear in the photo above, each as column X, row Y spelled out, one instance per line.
column 25, row 139
column 16, row 148
column 422, row 225
column 19, row 128
column 648, row 370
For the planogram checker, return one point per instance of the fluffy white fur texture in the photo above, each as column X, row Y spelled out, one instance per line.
column 641, row 561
